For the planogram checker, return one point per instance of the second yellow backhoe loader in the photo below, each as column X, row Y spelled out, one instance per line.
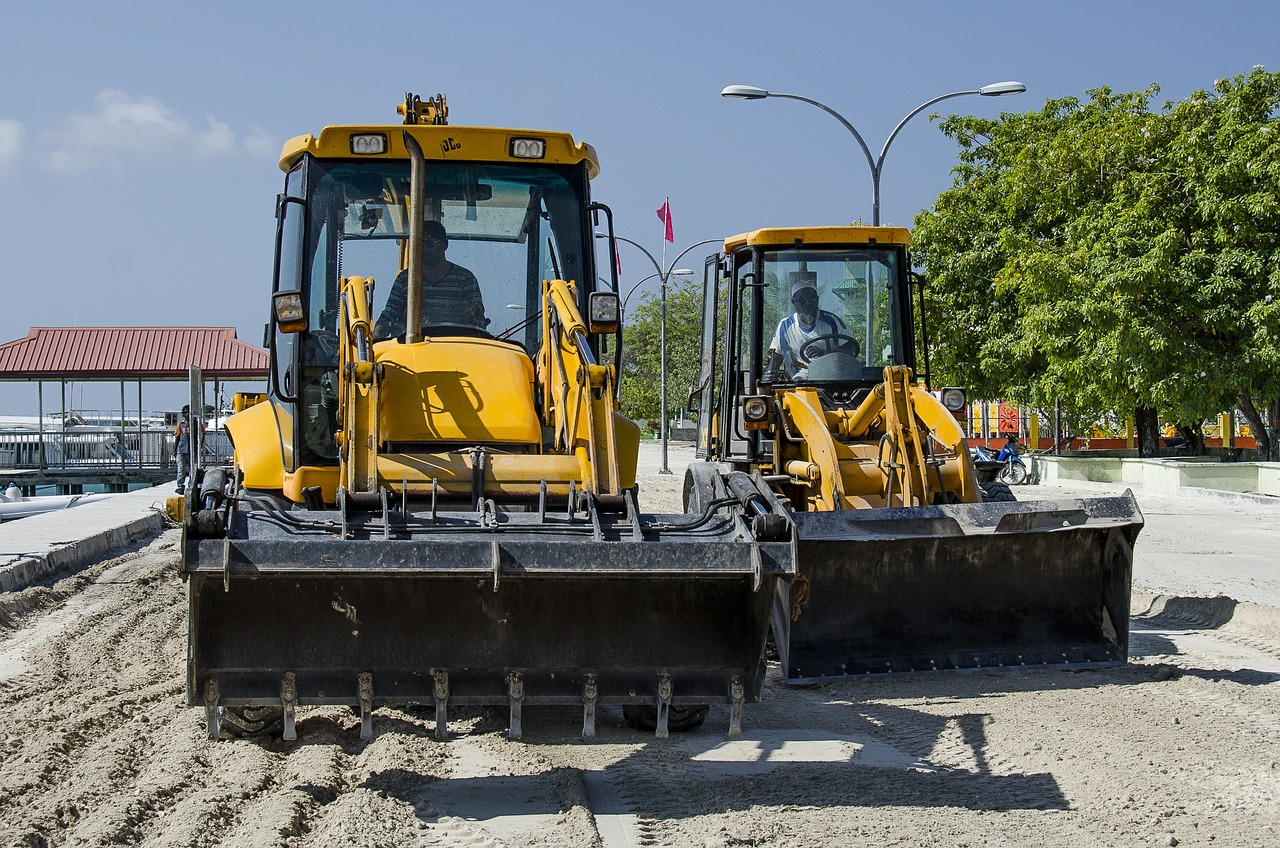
column 904, row 561
column 436, row 503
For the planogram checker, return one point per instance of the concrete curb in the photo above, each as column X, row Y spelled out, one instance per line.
column 35, row 547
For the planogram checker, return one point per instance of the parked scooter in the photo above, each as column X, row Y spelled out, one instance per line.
column 1005, row 466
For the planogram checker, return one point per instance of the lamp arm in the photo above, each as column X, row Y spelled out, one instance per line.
column 916, row 111
column 676, row 261
column 866, row 151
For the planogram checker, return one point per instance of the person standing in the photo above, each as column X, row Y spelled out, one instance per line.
column 182, row 447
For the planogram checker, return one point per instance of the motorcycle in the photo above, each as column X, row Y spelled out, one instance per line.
column 1005, row 466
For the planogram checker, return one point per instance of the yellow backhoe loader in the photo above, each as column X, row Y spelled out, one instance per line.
column 436, row 502
column 904, row 561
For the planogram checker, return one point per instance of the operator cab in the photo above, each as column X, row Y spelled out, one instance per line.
column 821, row 307
column 502, row 211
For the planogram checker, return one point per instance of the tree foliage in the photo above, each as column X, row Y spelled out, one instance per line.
column 640, row 380
column 1114, row 256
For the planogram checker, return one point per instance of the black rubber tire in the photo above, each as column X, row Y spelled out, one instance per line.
column 645, row 717
column 996, row 492
column 1013, row 474
column 239, row 722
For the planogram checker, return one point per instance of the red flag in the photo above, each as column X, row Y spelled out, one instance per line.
column 664, row 215
column 617, row 257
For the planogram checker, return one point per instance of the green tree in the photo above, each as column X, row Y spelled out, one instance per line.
column 1113, row 257
column 640, row 379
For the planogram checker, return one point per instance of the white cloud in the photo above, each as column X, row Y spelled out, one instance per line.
column 260, row 145
column 12, row 135
column 124, row 127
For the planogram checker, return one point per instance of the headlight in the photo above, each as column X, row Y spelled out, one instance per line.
column 755, row 413
column 528, row 148
column 288, row 308
column 602, row 308
column 953, row 399
column 368, row 144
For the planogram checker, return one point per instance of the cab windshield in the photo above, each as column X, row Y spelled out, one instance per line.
column 829, row 314
column 493, row 232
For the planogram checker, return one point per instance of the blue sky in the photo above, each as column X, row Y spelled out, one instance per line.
column 138, row 142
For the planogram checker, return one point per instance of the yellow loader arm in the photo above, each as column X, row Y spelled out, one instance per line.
column 898, row 448
column 579, row 395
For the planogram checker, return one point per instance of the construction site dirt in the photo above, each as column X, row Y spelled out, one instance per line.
column 1181, row 746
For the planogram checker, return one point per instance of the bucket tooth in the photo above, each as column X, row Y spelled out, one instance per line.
column 289, row 700
column 515, row 694
column 212, row 712
column 737, row 696
column 441, row 692
column 664, row 706
column 364, row 688
column 590, row 691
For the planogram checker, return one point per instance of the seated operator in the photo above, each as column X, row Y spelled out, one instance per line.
column 808, row 322
column 450, row 293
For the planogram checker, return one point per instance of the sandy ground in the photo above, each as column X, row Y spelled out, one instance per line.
column 1180, row 747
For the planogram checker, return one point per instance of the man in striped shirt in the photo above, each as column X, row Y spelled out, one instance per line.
column 450, row 293
column 806, row 323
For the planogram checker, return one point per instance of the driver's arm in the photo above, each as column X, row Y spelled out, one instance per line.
column 779, row 362
column 392, row 315
column 473, row 297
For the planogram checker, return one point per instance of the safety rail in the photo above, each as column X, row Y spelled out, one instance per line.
column 92, row 447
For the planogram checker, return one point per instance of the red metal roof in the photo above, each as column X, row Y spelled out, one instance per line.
column 130, row 353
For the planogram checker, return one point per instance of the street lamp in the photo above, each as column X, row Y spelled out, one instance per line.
column 750, row 92
column 664, row 276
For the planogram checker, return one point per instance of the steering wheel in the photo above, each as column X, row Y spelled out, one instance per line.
column 846, row 341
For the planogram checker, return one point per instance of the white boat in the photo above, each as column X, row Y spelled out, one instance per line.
column 14, row 505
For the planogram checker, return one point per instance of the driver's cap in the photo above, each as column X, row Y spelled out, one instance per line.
column 799, row 280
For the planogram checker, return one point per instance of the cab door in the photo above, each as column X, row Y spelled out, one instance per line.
column 703, row 399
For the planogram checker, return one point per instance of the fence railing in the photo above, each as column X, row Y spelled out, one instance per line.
column 101, row 447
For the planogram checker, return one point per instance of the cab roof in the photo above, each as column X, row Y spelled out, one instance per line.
column 796, row 236
column 441, row 142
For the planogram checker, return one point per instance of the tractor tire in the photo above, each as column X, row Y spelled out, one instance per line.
column 645, row 717
column 240, row 722
column 1013, row 474
column 996, row 492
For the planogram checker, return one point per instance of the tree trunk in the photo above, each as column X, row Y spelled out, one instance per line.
column 1266, row 438
column 1273, row 415
column 1148, row 426
column 1193, row 437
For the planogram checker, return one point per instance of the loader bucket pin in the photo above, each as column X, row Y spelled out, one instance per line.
column 589, row 693
column 442, row 702
column 364, row 687
column 289, row 700
column 212, row 712
column 664, row 705
column 737, row 695
column 515, row 692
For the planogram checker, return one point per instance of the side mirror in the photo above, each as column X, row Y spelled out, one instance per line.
column 287, row 308
column 694, row 404
column 604, row 312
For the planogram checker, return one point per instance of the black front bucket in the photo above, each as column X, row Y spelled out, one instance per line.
column 459, row 614
column 959, row 587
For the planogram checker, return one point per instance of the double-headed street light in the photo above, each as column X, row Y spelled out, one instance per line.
column 664, row 275
column 750, row 92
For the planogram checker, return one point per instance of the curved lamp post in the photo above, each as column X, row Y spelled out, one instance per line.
column 750, row 92
column 664, row 275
